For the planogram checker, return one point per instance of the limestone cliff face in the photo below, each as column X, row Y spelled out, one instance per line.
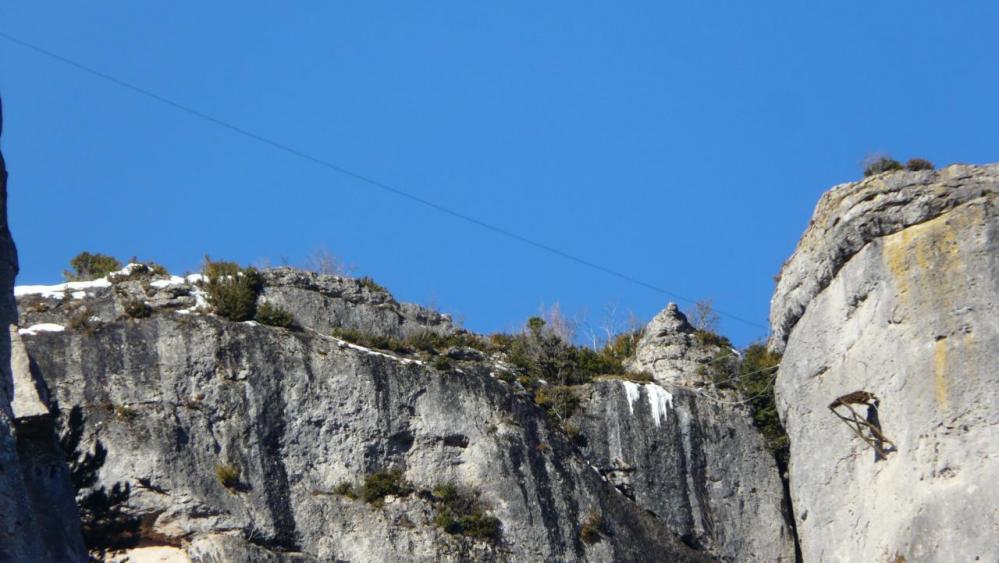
column 700, row 466
column 298, row 413
column 894, row 290
column 686, row 452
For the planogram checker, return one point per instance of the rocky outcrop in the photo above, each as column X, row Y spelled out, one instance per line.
column 298, row 413
column 685, row 452
column 697, row 464
column 38, row 518
column 850, row 216
column 893, row 291
column 669, row 350
column 325, row 302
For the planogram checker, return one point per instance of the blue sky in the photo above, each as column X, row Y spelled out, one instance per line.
column 682, row 143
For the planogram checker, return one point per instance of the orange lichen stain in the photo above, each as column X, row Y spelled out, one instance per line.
column 925, row 259
column 940, row 372
column 895, row 254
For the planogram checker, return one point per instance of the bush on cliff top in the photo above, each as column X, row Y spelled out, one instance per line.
column 232, row 291
column 87, row 266
column 881, row 164
column 918, row 164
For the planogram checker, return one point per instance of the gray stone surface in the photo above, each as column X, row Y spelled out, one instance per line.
column 894, row 290
column 669, row 350
column 324, row 302
column 698, row 465
column 299, row 413
column 688, row 451
column 851, row 215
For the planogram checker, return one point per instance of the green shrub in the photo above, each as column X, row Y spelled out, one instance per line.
column 273, row 315
column 137, row 309
column 431, row 342
column 881, row 164
column 442, row 363
column 379, row 485
column 87, row 266
column 592, row 528
column 559, row 400
column 374, row 341
column 460, row 513
column 371, row 284
column 424, row 341
column 539, row 353
column 708, row 338
column 918, row 164
column 228, row 475
column 345, row 490
column 757, row 373
column 232, row 291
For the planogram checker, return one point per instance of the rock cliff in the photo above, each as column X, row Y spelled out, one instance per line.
column 297, row 414
column 697, row 463
column 892, row 292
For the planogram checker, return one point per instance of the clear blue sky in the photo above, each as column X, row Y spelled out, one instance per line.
column 682, row 143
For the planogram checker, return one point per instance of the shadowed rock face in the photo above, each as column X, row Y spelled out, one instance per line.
column 686, row 452
column 298, row 413
column 698, row 465
column 893, row 291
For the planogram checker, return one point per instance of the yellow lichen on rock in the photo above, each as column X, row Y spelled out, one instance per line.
column 940, row 373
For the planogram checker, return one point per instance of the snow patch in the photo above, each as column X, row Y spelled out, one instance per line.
column 377, row 353
column 633, row 392
column 659, row 401
column 43, row 327
column 173, row 280
column 59, row 290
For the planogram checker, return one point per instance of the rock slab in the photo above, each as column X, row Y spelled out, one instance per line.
column 902, row 302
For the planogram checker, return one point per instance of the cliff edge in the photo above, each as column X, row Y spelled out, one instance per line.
column 888, row 317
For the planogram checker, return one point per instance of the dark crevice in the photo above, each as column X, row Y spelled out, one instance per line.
column 787, row 506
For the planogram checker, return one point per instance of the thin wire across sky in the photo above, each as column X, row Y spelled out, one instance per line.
column 366, row 180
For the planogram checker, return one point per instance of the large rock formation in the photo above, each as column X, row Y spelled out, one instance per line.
column 893, row 291
column 697, row 464
column 688, row 454
column 177, row 395
column 38, row 519
column 669, row 350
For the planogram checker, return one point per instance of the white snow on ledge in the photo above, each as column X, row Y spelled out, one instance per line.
column 78, row 289
column 371, row 352
column 660, row 400
column 177, row 280
column 59, row 289
column 43, row 327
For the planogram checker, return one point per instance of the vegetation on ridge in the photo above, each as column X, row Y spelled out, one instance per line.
column 231, row 290
column 87, row 266
column 883, row 163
